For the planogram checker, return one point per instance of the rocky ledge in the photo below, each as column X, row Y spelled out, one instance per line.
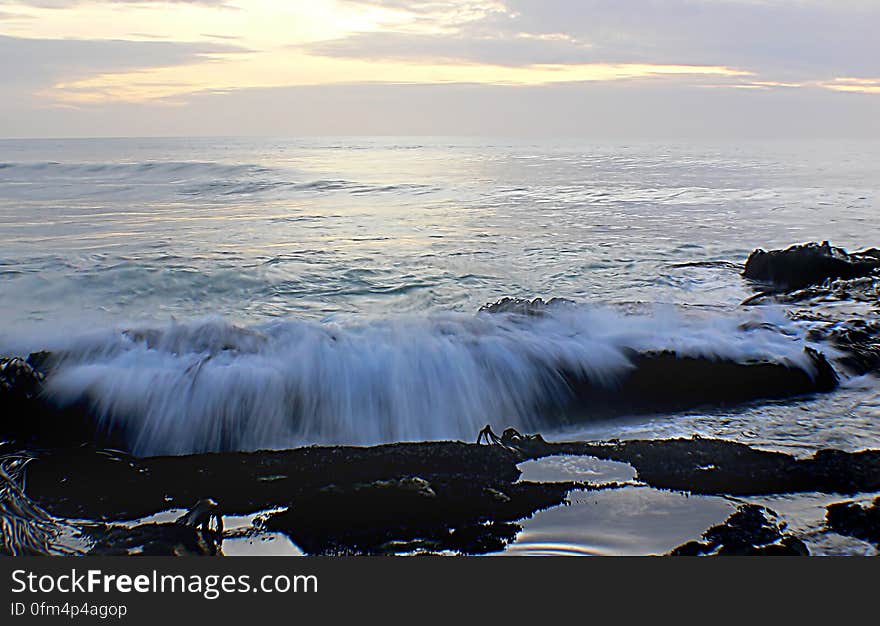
column 399, row 498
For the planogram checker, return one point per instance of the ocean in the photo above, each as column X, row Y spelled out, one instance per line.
column 214, row 293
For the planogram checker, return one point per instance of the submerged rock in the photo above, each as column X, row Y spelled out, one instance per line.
column 523, row 306
column 857, row 339
column 843, row 313
column 855, row 520
column 802, row 265
column 751, row 531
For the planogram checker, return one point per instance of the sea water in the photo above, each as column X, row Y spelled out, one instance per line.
column 263, row 293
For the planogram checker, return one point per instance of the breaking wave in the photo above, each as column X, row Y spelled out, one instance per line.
column 188, row 178
column 211, row 385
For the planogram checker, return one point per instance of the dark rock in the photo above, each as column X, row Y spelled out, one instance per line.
column 859, row 340
column 341, row 500
column 851, row 324
column 430, row 496
column 168, row 539
column 29, row 418
column 818, row 274
column 452, row 514
column 749, row 531
column 665, row 381
column 720, row 467
column 409, row 497
column 437, row 496
column 19, row 382
column 111, row 485
column 95, row 484
column 855, row 520
column 865, row 289
column 20, row 389
column 802, row 265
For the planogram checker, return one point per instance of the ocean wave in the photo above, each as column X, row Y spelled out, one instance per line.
column 211, row 385
column 190, row 178
column 150, row 170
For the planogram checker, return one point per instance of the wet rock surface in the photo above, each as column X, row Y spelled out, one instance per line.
column 858, row 339
column 29, row 417
column 386, row 499
column 104, row 484
column 664, row 381
column 856, row 520
column 432, row 497
column 19, row 381
column 839, row 294
column 446, row 514
column 751, row 531
column 721, row 467
column 152, row 539
column 802, row 265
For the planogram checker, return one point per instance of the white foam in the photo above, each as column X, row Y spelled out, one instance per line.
column 210, row 385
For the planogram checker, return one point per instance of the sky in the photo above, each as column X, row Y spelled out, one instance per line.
column 594, row 68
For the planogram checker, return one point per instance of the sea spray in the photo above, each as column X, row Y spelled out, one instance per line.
column 211, row 385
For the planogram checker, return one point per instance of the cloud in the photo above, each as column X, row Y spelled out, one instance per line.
column 67, row 4
column 36, row 63
column 510, row 50
column 790, row 39
column 615, row 68
column 854, row 85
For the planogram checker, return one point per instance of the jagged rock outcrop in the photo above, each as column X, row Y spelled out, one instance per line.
column 751, row 531
column 808, row 264
column 855, row 520
column 820, row 278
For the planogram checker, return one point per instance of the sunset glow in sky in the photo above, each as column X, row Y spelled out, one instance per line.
column 74, row 67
